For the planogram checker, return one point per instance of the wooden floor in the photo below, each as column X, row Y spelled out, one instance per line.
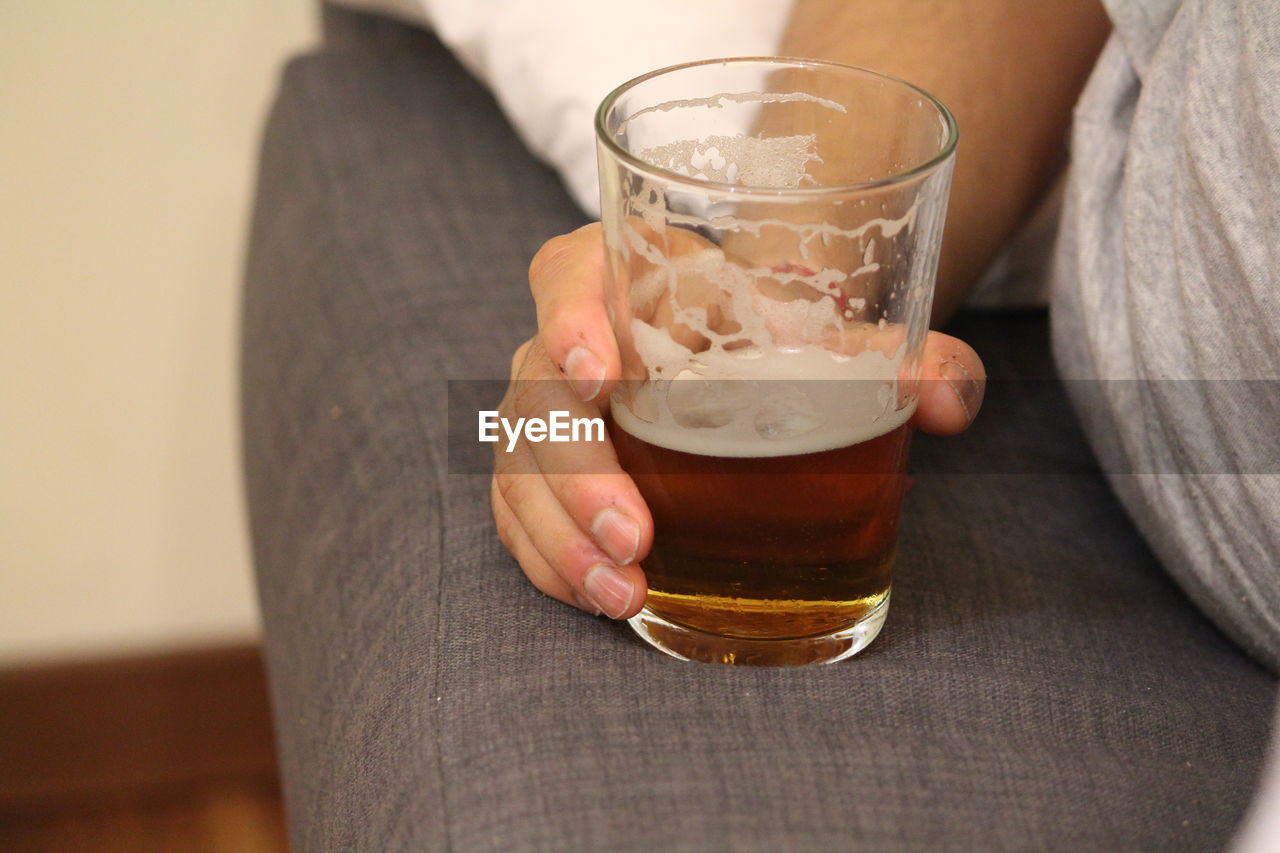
column 223, row 818
column 170, row 752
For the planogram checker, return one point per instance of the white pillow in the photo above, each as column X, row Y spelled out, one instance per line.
column 549, row 63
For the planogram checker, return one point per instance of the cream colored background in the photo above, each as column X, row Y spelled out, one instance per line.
column 126, row 158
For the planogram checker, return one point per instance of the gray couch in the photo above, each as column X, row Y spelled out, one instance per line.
column 1041, row 684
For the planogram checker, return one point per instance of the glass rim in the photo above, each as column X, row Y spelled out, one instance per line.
column 606, row 139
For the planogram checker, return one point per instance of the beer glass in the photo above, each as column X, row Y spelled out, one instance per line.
column 772, row 229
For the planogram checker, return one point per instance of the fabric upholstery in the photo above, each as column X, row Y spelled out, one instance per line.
column 1040, row 684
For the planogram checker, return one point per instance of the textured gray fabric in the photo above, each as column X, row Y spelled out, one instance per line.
column 1040, row 683
column 1167, row 269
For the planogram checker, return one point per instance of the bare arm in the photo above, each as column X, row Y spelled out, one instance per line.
column 1010, row 70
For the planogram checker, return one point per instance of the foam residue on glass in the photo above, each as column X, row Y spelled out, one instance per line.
column 732, row 350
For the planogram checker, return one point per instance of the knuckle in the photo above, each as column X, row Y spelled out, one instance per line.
column 510, row 488
column 551, row 260
column 576, row 492
column 528, row 397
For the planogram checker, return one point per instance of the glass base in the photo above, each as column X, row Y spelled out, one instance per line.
column 686, row 643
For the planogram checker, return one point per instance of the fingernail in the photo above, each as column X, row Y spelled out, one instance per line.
column 617, row 534
column 585, row 372
column 606, row 587
column 967, row 389
column 586, row 605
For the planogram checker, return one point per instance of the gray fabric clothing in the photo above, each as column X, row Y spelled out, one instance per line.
column 1034, row 688
column 1168, row 268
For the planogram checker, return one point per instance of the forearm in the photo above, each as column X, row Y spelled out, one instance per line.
column 1010, row 70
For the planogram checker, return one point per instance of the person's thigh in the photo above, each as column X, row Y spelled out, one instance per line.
column 1040, row 683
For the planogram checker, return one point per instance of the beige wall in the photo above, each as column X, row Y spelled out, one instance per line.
column 126, row 159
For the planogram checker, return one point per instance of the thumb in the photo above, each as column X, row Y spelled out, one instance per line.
column 952, row 384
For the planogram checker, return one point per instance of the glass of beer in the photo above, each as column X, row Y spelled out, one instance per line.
column 772, row 229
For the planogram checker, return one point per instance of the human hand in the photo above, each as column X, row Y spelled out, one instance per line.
column 568, row 513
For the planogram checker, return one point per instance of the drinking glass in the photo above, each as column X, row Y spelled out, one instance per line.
column 772, row 229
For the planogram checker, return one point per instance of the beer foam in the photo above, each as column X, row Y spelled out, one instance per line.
column 749, row 361
column 752, row 403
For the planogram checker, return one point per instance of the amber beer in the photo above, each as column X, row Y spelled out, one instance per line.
column 770, row 547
